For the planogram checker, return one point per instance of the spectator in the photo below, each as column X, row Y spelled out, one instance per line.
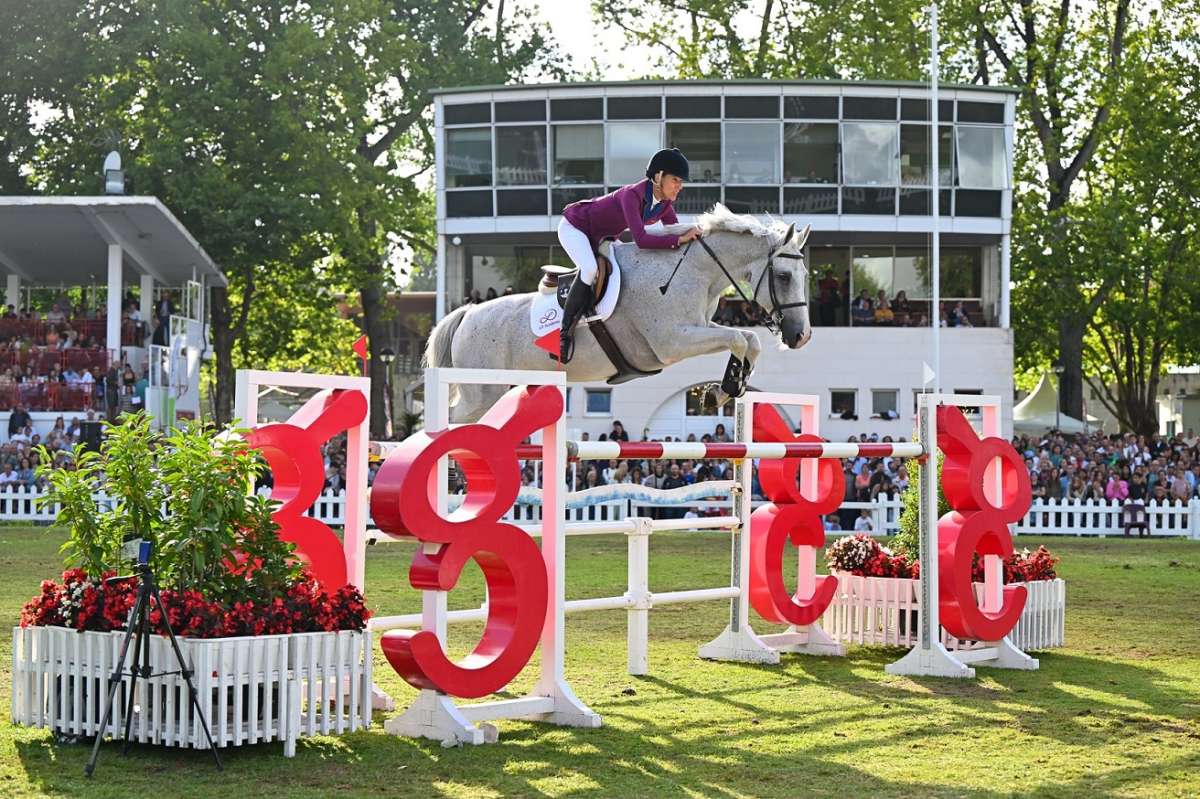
column 491, row 294
column 900, row 309
column 18, row 420
column 862, row 311
column 883, row 309
column 618, row 432
column 1117, row 489
column 863, row 523
column 829, row 297
column 8, row 478
column 958, row 316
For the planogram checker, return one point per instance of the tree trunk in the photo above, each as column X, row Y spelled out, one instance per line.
column 1070, row 353
column 222, row 333
column 376, row 327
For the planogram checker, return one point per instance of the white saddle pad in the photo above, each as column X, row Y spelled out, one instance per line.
column 546, row 317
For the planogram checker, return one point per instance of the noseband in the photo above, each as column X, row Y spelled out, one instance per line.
column 775, row 312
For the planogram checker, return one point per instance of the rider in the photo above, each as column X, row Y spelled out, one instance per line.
column 585, row 223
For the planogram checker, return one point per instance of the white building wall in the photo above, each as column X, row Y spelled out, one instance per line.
column 837, row 358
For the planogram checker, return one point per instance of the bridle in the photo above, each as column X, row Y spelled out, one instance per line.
column 775, row 312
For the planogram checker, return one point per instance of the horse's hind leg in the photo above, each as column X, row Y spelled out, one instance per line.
column 474, row 401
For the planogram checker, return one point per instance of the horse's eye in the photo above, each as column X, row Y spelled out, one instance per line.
column 783, row 277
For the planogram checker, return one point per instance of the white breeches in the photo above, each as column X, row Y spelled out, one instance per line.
column 579, row 249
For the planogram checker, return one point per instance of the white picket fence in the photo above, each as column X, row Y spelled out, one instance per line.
column 1077, row 517
column 251, row 690
column 885, row 611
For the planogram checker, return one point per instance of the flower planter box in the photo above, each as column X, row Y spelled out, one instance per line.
column 251, row 690
column 886, row 611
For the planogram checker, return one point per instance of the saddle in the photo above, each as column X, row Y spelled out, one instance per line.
column 559, row 280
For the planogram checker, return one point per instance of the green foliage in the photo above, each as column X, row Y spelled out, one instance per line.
column 908, row 539
column 212, row 520
column 187, row 493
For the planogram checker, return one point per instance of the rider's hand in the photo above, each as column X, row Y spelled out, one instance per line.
column 694, row 233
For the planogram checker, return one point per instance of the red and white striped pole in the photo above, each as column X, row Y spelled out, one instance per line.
column 681, row 450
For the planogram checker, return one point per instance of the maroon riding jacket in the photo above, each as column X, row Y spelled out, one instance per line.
column 621, row 210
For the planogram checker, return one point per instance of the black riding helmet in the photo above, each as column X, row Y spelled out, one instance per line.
column 670, row 161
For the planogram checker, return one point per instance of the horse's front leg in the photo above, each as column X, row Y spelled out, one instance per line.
column 689, row 341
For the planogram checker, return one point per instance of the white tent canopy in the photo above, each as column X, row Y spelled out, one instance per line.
column 1036, row 413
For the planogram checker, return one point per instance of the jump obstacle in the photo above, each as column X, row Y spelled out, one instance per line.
column 983, row 480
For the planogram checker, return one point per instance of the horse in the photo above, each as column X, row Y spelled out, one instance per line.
column 663, row 314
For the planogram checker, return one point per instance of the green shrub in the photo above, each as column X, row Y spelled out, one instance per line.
column 188, row 493
column 908, row 540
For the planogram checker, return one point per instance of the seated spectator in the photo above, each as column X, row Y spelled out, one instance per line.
column 25, row 474
column 618, row 432
column 719, row 434
column 863, row 523
column 9, row 477
column 24, row 435
column 900, row 309
column 833, row 524
column 958, row 316
column 862, row 310
column 883, row 309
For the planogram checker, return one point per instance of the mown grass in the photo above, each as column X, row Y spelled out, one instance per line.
column 1114, row 713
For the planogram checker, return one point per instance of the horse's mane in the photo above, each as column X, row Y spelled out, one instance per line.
column 721, row 218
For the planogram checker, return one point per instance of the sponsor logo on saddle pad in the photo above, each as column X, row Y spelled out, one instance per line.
column 545, row 315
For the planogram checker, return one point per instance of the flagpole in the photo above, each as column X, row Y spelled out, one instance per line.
column 936, row 250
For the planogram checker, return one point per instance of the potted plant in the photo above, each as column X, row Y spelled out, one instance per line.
column 274, row 653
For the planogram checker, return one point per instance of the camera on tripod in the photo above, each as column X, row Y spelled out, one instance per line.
column 136, row 549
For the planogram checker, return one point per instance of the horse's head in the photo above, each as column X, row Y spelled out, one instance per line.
column 787, row 284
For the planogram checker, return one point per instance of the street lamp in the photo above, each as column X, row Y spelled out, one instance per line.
column 387, row 355
column 1058, row 370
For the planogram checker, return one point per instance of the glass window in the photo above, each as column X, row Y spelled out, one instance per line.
column 701, row 143
column 867, row 200
column 982, row 162
column 466, row 113
column 843, row 402
column 947, row 175
column 630, row 145
column 521, row 202
column 578, row 154
column 980, row 112
column 872, row 271
column 561, row 198
column 885, row 403
column 752, row 152
column 634, row 107
column 697, row 199
column 961, row 272
column 693, row 108
column 829, row 278
column 750, row 200
column 810, row 200
column 469, row 203
column 914, row 155
column 969, row 410
column 599, row 400
column 468, row 157
column 868, row 107
column 870, row 151
column 810, row 153
column 810, row 107
column 914, row 202
column 977, row 202
column 911, row 108
column 577, row 108
column 752, row 107
column 521, row 155
column 911, row 274
column 521, row 111
column 701, row 400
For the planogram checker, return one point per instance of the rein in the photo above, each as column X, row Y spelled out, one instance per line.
column 775, row 313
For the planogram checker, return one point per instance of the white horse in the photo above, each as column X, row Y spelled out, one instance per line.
column 654, row 328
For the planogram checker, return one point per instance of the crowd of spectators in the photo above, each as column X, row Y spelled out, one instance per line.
column 1122, row 467
column 19, row 456
column 474, row 298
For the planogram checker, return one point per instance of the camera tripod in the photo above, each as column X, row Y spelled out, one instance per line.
column 138, row 630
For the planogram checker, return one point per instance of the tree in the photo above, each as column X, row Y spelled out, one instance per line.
column 1067, row 60
column 1139, row 226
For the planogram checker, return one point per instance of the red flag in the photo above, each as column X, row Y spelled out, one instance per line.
column 360, row 349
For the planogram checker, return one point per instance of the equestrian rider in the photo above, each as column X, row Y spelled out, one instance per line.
column 585, row 223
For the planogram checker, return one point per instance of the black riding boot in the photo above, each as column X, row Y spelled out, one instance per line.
column 579, row 299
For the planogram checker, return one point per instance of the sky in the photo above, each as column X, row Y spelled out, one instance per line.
column 578, row 34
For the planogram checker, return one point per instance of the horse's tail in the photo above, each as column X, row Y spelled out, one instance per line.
column 437, row 351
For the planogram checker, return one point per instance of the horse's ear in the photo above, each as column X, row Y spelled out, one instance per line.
column 791, row 231
column 800, row 242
